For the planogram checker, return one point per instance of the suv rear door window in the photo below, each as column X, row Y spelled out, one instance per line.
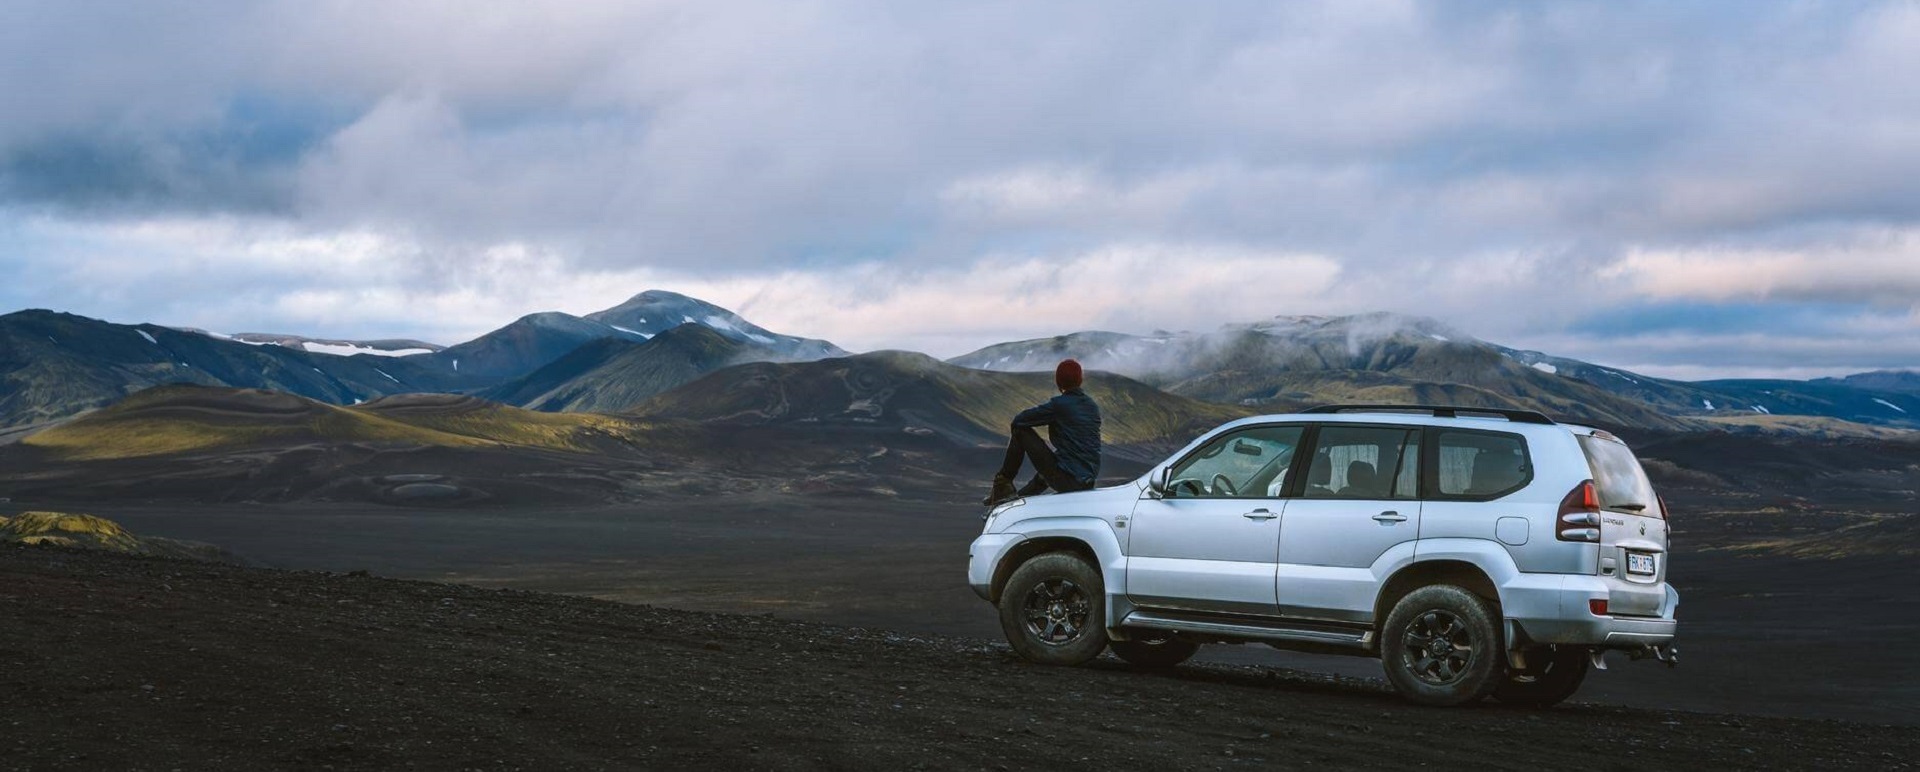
column 1479, row 465
column 1617, row 476
column 1365, row 462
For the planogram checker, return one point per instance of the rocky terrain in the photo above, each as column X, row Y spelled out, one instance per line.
column 61, row 529
column 142, row 663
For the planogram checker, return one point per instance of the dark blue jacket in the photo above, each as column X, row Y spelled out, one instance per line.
column 1073, row 425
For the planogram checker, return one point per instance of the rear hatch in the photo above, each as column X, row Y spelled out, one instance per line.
column 1633, row 528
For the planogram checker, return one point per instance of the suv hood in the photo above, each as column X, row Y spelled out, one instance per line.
column 1103, row 503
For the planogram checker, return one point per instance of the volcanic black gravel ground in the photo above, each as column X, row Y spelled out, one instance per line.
column 115, row 662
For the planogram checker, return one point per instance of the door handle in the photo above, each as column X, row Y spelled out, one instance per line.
column 1260, row 514
column 1390, row 517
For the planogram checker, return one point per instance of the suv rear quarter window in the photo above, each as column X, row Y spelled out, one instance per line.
column 1477, row 465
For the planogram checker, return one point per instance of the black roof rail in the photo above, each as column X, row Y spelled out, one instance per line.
column 1439, row 411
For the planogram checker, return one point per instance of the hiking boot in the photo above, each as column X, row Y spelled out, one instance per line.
column 1002, row 491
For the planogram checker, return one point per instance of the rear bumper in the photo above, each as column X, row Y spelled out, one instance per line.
column 984, row 556
column 1553, row 608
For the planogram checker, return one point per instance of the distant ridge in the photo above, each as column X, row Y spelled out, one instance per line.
column 612, row 376
column 55, row 365
column 904, row 391
column 1394, row 358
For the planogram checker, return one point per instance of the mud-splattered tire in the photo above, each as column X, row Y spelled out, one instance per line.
column 1053, row 610
column 1155, row 650
column 1441, row 646
column 1553, row 673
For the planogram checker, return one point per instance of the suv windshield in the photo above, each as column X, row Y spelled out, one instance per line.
column 1617, row 475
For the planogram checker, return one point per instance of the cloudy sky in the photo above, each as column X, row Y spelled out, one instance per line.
column 1689, row 189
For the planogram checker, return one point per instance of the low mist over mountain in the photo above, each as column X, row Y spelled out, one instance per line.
column 1384, row 358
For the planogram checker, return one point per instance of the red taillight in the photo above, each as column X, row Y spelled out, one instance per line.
column 1598, row 606
column 1663, row 507
column 1579, row 518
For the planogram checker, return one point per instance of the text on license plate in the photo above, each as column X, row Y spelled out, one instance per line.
column 1639, row 564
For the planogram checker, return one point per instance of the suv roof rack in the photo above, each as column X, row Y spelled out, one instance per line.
column 1439, row 411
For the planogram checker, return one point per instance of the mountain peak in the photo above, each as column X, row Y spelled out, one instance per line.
column 656, row 311
column 550, row 319
column 661, row 296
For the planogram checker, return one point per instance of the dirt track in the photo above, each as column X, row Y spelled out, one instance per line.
column 118, row 662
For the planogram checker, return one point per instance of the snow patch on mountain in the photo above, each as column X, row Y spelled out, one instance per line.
column 143, row 334
column 1889, row 404
column 347, row 350
column 1546, row 368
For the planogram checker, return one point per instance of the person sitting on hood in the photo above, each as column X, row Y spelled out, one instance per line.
column 1072, row 462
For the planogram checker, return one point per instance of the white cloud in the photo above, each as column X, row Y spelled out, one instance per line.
column 1053, row 196
column 954, row 309
column 1880, row 267
column 889, row 174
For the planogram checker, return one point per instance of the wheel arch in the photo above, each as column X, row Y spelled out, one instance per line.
column 1478, row 566
column 1092, row 541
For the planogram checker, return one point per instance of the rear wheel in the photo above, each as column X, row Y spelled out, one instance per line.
column 1552, row 674
column 1053, row 610
column 1440, row 646
column 1155, row 650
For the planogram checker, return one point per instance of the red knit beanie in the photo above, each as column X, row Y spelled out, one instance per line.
column 1067, row 376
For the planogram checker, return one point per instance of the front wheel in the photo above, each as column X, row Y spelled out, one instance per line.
column 1053, row 610
column 1552, row 674
column 1440, row 646
column 1155, row 650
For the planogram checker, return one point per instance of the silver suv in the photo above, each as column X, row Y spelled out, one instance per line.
column 1476, row 552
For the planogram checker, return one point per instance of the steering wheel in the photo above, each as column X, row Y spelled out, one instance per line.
column 1223, row 486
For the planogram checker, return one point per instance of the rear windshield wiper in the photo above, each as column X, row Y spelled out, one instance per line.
column 1630, row 507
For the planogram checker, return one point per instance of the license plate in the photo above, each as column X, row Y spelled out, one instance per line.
column 1640, row 564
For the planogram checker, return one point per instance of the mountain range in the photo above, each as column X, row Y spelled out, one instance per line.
column 631, row 359
column 1290, row 361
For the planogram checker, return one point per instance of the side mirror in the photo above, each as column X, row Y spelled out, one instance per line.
column 1158, row 482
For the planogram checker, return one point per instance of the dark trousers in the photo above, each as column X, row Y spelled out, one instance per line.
column 1026, row 445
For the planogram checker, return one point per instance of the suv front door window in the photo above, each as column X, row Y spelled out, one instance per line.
column 1252, row 463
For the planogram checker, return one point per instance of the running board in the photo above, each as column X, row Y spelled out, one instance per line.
column 1265, row 630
